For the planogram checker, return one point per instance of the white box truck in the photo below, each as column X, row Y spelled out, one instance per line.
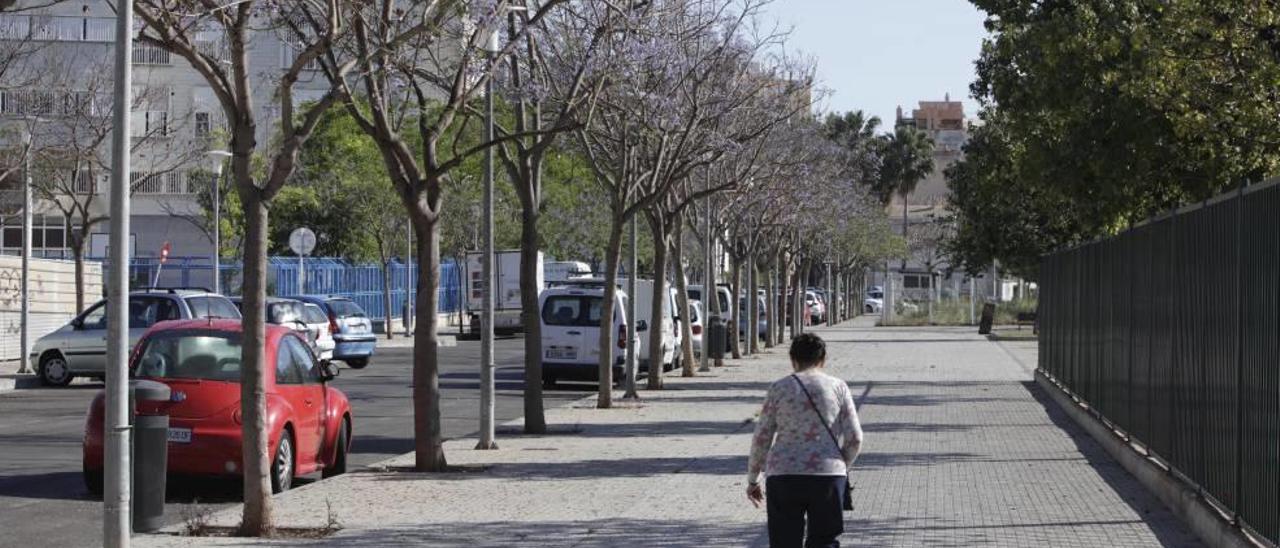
column 506, row 298
column 557, row 273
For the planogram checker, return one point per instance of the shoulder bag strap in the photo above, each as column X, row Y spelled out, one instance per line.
column 821, row 419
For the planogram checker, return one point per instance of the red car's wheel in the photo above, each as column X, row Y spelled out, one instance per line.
column 93, row 481
column 282, row 464
column 339, row 465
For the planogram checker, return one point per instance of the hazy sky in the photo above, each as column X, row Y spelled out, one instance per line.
column 877, row 54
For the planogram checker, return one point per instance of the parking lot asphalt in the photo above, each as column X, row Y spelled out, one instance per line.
column 43, row 500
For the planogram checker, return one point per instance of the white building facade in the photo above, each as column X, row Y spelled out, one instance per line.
column 68, row 60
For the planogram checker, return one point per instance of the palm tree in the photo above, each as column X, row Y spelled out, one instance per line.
column 855, row 132
column 906, row 159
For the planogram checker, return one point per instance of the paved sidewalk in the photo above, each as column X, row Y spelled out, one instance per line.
column 11, row 380
column 962, row 449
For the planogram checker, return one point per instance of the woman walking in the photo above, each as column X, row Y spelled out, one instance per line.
column 806, row 440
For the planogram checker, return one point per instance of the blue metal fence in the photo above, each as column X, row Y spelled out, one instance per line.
column 362, row 283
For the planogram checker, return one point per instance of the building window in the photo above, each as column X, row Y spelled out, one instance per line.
column 15, row 27
column 150, row 123
column 84, row 183
column 147, row 54
column 44, row 102
column 915, row 281
column 48, row 236
column 57, row 28
column 203, row 125
column 170, row 182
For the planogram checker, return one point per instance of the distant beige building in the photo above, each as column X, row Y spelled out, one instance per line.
column 944, row 121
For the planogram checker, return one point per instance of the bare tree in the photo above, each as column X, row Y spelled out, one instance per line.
column 17, row 74
column 667, row 111
column 417, row 76
column 552, row 80
column 215, row 39
column 72, row 147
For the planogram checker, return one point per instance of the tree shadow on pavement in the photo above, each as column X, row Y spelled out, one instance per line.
column 55, row 485
column 381, row 445
column 636, row 531
column 665, row 428
column 724, row 465
column 760, row 387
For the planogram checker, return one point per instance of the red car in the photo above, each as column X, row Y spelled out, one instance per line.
column 308, row 421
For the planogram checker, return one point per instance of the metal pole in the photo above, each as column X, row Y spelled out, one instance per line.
column 973, row 297
column 486, row 318
column 302, row 276
column 115, row 502
column 887, row 301
column 408, row 280
column 633, row 352
column 831, row 301
column 25, row 335
column 708, row 289
column 217, row 231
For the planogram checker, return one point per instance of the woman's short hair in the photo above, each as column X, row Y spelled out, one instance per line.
column 808, row 350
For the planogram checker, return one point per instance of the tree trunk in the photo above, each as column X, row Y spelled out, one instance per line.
column 682, row 300
column 735, row 291
column 798, row 301
column 256, row 456
column 386, row 298
column 784, row 300
column 753, row 303
column 77, row 254
column 535, row 421
column 612, row 256
column 428, row 435
column 771, row 291
column 657, row 331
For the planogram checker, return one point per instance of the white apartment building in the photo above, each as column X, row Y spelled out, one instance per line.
column 176, row 119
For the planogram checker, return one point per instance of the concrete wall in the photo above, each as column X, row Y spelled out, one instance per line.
column 53, row 298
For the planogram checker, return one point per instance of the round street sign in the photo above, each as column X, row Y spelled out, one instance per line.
column 302, row 241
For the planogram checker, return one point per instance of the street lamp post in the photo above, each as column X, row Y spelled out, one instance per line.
column 487, row 388
column 216, row 160
column 25, row 335
column 117, row 485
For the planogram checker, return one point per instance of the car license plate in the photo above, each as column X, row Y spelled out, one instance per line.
column 562, row 353
column 180, row 435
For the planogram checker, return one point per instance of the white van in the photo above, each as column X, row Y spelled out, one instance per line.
column 722, row 295
column 671, row 334
column 571, row 334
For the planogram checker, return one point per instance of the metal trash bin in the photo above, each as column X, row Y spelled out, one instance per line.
column 150, row 453
column 988, row 318
column 718, row 337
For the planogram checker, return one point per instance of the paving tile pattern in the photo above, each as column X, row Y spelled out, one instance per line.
column 961, row 450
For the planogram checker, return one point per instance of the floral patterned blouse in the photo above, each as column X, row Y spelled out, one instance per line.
column 790, row 440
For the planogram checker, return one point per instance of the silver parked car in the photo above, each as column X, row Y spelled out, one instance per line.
column 318, row 322
column 79, row 349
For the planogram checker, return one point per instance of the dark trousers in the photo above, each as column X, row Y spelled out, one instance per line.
column 793, row 500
